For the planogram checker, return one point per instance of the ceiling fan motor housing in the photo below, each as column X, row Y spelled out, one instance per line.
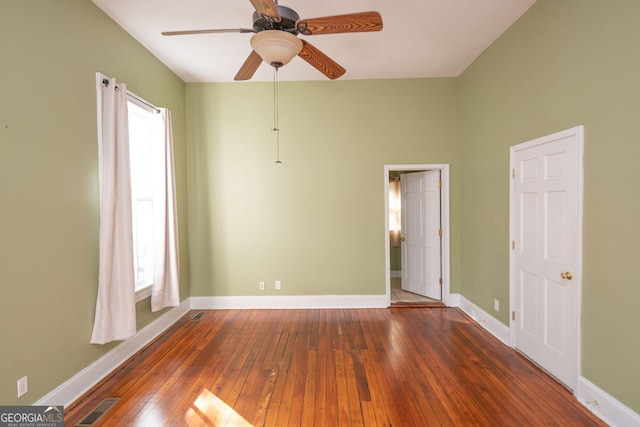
column 288, row 19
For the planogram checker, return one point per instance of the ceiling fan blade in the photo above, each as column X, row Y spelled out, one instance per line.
column 350, row 23
column 267, row 9
column 219, row 30
column 249, row 67
column 320, row 61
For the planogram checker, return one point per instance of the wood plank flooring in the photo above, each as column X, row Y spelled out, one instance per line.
column 364, row 367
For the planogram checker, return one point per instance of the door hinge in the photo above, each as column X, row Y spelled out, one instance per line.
column 440, row 232
column 440, row 281
column 513, row 315
column 439, row 184
column 513, row 244
column 513, row 173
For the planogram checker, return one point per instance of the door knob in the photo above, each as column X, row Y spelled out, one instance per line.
column 567, row 275
column 402, row 239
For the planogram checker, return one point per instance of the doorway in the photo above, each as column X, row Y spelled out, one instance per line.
column 392, row 279
column 546, row 255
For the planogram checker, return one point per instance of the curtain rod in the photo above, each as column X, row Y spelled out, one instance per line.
column 106, row 83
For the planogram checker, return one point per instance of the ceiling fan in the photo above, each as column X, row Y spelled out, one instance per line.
column 275, row 40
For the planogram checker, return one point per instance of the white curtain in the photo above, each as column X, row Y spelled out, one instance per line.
column 166, row 271
column 115, row 317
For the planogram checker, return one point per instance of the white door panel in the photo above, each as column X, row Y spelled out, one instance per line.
column 421, row 246
column 546, row 195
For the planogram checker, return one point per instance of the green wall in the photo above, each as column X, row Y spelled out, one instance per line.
column 316, row 222
column 50, row 51
column 563, row 64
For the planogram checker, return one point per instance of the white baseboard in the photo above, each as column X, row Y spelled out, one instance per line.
column 290, row 302
column 69, row 391
column 604, row 406
column 484, row 319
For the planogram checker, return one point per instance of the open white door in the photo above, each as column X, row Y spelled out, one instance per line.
column 421, row 233
column 546, row 227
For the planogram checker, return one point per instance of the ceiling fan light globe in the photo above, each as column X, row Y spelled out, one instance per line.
column 276, row 46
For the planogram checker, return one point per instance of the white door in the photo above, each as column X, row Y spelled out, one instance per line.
column 420, row 251
column 546, row 234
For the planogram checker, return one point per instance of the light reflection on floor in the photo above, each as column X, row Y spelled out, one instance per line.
column 209, row 409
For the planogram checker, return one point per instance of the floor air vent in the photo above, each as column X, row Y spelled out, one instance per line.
column 197, row 316
column 98, row 412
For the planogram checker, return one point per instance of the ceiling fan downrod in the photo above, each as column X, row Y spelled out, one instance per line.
column 276, row 125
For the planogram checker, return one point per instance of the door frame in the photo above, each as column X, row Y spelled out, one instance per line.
column 575, row 131
column 444, row 219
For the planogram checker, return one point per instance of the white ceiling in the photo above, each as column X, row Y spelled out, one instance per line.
column 420, row 38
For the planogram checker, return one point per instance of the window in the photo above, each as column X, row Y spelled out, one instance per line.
column 142, row 143
column 138, row 252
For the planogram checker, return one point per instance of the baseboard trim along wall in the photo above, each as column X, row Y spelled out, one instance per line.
column 69, row 391
column 605, row 406
column 484, row 319
column 596, row 400
column 290, row 302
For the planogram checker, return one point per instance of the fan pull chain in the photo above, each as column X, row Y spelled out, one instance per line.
column 276, row 127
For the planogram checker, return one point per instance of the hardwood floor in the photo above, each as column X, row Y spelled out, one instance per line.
column 372, row 367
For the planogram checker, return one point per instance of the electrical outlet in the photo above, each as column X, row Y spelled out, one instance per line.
column 261, row 286
column 496, row 305
column 23, row 386
column 278, row 284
